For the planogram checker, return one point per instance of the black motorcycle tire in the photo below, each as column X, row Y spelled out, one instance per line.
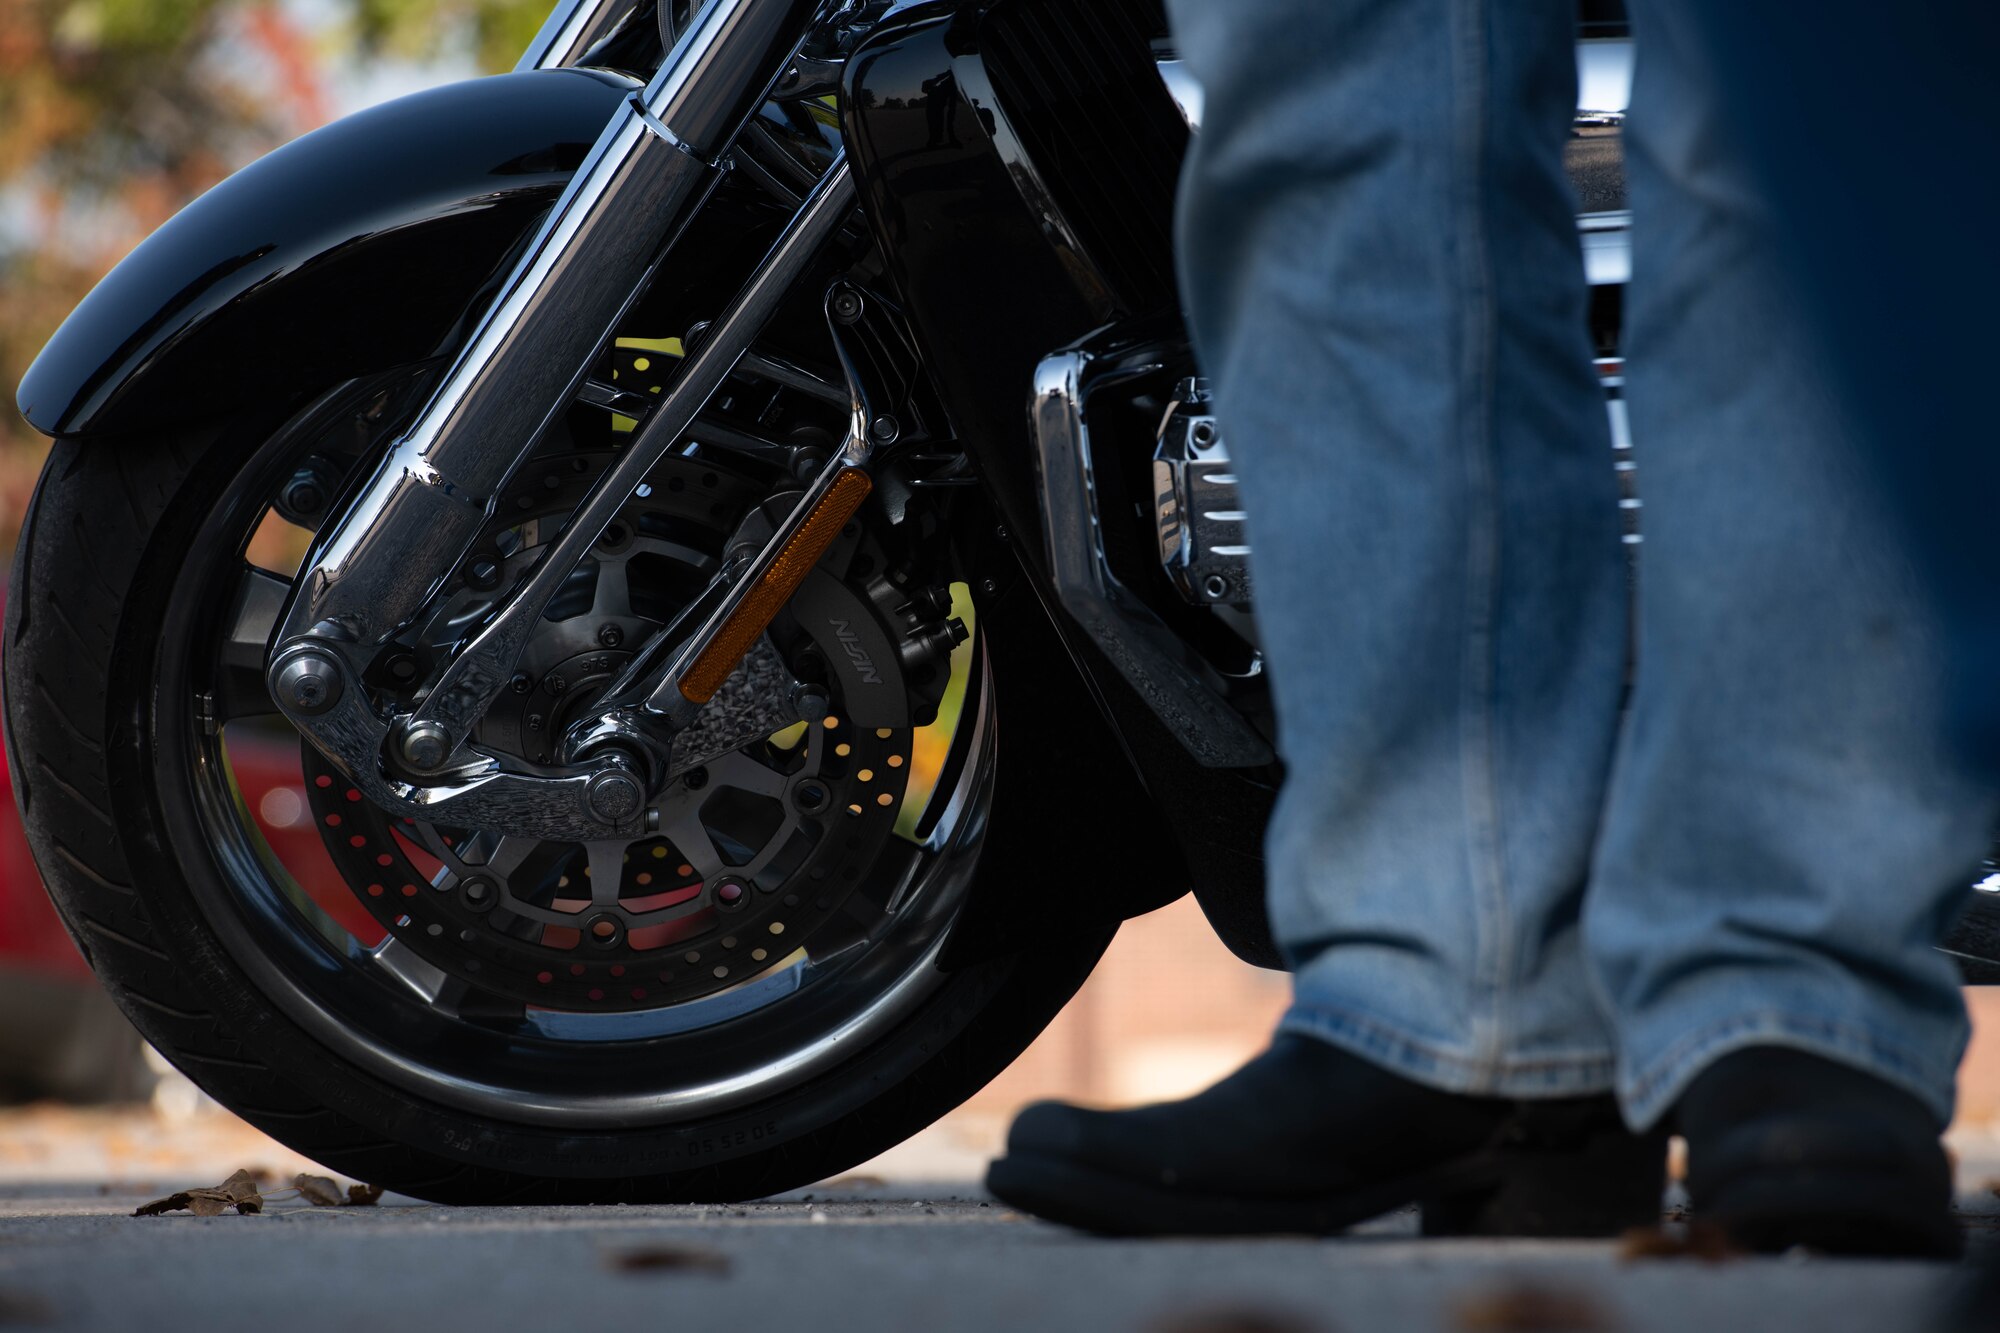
column 110, row 524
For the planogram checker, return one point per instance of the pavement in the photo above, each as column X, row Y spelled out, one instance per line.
column 883, row 1248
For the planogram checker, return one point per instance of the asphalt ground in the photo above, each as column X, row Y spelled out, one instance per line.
column 873, row 1252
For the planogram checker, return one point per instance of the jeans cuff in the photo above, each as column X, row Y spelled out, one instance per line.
column 1557, row 1074
column 1649, row 1089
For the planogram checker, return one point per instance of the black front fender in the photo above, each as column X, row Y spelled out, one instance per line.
column 364, row 245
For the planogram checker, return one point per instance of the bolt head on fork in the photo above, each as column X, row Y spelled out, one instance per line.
column 309, row 682
column 426, row 746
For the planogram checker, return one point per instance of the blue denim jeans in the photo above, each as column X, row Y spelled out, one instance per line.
column 1494, row 868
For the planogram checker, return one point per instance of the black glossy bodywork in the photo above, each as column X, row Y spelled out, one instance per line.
column 995, row 276
column 367, row 244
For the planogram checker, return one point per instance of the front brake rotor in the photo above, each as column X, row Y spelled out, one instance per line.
column 527, row 922
column 755, row 850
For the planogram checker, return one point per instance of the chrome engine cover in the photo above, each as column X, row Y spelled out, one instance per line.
column 1197, row 515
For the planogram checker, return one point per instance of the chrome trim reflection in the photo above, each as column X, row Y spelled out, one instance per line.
column 1157, row 662
column 1184, row 88
column 1197, row 511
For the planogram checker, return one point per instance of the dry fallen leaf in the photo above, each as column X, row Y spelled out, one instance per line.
column 242, row 1186
column 1531, row 1308
column 172, row 1203
column 239, row 1192
column 363, row 1196
column 318, row 1191
column 668, row 1258
column 1697, row 1240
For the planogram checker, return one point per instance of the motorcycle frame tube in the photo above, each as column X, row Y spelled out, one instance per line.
column 649, row 173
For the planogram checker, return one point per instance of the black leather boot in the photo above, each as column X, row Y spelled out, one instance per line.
column 1787, row 1149
column 1309, row 1139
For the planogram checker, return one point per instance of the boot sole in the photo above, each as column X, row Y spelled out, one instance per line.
column 1833, row 1210
column 1112, row 1205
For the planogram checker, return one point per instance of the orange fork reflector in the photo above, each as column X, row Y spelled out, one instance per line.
column 776, row 586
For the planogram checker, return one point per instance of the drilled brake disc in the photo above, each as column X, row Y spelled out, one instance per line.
column 755, row 851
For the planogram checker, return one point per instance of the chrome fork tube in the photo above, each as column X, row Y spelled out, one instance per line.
column 572, row 29
column 646, row 176
column 482, row 668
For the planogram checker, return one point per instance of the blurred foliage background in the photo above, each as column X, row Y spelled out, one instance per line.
column 115, row 113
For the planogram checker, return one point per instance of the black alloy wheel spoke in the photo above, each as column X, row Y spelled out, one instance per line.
column 744, row 773
column 607, row 871
column 255, row 603
column 450, row 995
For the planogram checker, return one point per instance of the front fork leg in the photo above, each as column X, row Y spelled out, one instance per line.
column 416, row 520
column 603, row 793
column 647, row 176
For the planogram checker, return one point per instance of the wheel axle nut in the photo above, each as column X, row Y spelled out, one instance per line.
column 426, row 746
column 309, row 682
column 613, row 796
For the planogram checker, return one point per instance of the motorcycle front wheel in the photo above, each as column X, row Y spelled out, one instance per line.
column 290, row 948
